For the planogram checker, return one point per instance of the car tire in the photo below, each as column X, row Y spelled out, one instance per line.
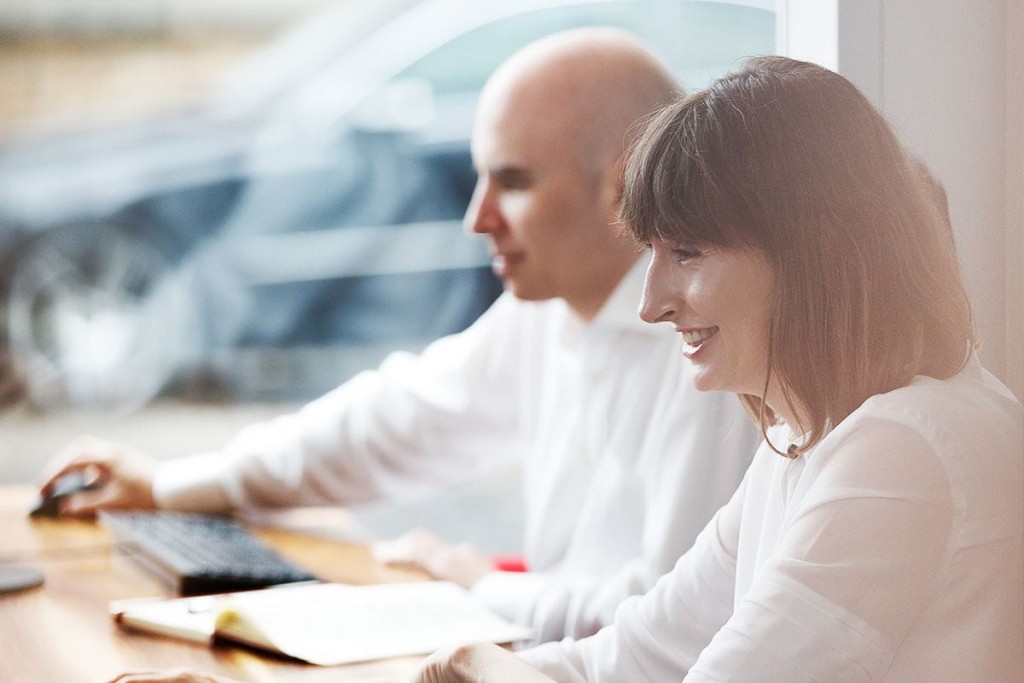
column 80, row 332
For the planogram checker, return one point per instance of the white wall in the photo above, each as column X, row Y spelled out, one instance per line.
column 1015, row 194
column 948, row 74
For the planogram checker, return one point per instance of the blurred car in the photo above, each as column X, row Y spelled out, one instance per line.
column 303, row 223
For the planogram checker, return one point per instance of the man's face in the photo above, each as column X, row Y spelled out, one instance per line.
column 544, row 216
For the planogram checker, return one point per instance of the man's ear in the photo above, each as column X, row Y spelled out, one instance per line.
column 614, row 183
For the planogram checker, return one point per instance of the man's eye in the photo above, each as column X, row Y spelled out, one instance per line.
column 511, row 180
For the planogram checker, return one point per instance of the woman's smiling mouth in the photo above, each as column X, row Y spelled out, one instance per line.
column 695, row 338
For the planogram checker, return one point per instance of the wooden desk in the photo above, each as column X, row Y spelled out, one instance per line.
column 62, row 631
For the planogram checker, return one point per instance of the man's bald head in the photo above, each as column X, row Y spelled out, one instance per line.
column 587, row 88
column 550, row 135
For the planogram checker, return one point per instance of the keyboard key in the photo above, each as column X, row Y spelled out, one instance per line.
column 200, row 553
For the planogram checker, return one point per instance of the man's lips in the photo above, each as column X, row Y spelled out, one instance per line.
column 501, row 263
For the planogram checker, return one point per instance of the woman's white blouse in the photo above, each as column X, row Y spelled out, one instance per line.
column 890, row 552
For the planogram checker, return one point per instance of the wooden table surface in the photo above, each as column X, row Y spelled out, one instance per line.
column 62, row 631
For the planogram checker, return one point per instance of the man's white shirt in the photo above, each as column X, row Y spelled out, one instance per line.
column 623, row 460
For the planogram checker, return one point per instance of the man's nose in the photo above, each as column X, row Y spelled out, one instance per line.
column 481, row 217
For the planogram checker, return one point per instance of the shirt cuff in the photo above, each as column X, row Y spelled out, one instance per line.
column 193, row 484
column 547, row 657
column 510, row 594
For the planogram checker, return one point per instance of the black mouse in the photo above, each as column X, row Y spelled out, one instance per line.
column 49, row 505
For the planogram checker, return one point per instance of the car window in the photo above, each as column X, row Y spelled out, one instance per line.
column 699, row 40
column 322, row 232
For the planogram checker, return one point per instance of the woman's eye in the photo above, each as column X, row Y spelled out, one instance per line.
column 682, row 254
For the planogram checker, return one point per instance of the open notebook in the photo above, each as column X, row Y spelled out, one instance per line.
column 327, row 623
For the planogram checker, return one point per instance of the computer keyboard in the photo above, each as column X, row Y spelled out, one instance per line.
column 200, row 553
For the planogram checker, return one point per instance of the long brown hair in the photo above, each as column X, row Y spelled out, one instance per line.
column 790, row 158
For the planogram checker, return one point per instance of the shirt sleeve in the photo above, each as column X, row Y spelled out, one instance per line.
column 692, row 466
column 865, row 553
column 658, row 636
column 417, row 422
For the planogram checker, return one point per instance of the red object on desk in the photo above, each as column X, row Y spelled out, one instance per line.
column 509, row 563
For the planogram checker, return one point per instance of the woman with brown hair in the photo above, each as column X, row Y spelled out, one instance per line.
column 877, row 535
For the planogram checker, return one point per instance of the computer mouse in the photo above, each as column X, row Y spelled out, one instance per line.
column 73, row 482
column 14, row 578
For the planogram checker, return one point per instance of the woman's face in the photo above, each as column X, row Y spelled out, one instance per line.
column 719, row 300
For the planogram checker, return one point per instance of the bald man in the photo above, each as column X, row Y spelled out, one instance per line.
column 623, row 461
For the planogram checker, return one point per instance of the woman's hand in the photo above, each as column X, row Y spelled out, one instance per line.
column 170, row 676
column 477, row 663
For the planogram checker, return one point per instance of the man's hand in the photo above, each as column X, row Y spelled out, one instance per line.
column 170, row 676
column 477, row 663
column 463, row 564
column 124, row 476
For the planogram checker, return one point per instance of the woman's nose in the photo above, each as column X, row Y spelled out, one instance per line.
column 657, row 303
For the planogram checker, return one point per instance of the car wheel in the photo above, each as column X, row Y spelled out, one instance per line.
column 80, row 331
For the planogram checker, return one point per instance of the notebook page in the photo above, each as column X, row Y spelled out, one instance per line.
column 190, row 619
column 330, row 624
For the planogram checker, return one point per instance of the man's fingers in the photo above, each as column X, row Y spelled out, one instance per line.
column 89, row 456
column 121, row 477
column 85, row 503
column 413, row 548
column 464, row 563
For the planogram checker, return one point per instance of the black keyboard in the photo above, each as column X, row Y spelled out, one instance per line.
column 200, row 553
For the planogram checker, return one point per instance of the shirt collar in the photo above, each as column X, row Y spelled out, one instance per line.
column 621, row 310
